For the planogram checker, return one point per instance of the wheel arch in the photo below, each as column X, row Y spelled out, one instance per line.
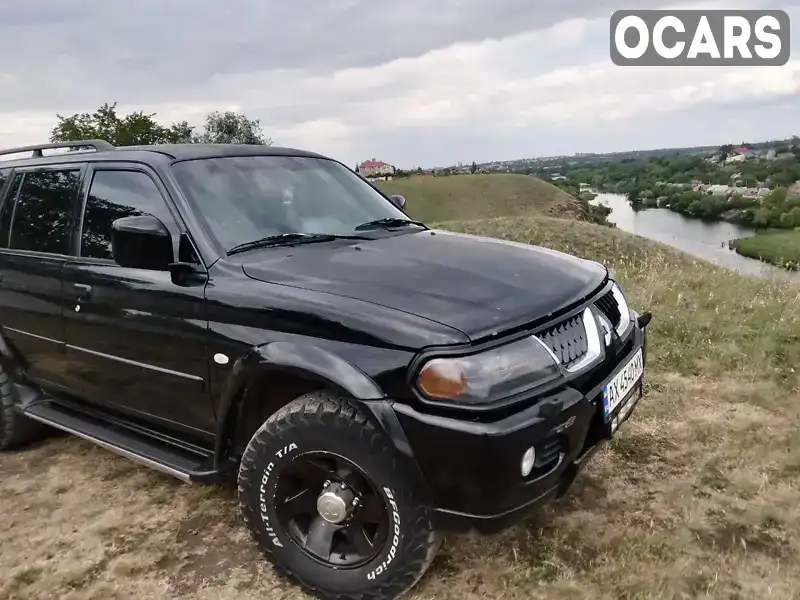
column 291, row 370
column 10, row 357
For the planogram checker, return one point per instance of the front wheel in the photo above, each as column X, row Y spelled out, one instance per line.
column 324, row 498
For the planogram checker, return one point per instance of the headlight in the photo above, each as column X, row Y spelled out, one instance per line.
column 624, row 310
column 501, row 372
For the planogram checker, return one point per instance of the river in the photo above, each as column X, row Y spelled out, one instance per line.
column 704, row 239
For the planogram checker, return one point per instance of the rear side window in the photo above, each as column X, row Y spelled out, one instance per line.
column 8, row 209
column 43, row 214
column 115, row 194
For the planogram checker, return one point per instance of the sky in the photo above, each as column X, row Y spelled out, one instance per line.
column 417, row 82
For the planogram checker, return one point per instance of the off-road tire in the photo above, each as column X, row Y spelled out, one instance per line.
column 320, row 421
column 15, row 428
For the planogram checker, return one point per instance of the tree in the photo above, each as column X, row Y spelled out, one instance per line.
column 104, row 123
column 473, row 167
column 725, row 150
column 139, row 128
column 232, row 128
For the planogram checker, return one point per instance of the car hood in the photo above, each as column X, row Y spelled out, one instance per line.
column 478, row 285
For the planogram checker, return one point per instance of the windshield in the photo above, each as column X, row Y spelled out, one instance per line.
column 253, row 197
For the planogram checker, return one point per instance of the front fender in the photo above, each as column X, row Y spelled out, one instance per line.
column 329, row 369
column 305, row 360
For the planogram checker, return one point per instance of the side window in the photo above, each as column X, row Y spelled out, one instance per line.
column 43, row 215
column 113, row 195
column 8, row 209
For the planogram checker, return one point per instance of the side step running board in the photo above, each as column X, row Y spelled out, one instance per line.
column 186, row 466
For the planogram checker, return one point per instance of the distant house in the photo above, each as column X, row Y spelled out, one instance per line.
column 739, row 154
column 794, row 190
column 376, row 168
column 718, row 190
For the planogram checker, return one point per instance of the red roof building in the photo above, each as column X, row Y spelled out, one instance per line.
column 373, row 168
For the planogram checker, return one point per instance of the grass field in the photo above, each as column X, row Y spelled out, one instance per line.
column 469, row 197
column 698, row 497
column 781, row 248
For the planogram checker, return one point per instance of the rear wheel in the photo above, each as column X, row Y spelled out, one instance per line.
column 15, row 428
column 325, row 499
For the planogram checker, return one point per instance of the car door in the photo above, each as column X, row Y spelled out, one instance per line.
column 35, row 229
column 136, row 340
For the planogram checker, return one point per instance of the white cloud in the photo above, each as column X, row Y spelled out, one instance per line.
column 515, row 88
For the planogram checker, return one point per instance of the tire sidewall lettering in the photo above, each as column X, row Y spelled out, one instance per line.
column 265, row 500
column 380, row 568
column 394, row 537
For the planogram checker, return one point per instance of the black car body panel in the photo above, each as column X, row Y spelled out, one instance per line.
column 472, row 467
column 179, row 365
column 478, row 285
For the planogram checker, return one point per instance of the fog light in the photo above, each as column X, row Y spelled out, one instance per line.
column 527, row 461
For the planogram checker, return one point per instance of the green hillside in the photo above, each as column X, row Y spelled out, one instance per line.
column 697, row 496
column 468, row 197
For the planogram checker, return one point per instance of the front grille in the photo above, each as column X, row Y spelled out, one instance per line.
column 567, row 340
column 608, row 305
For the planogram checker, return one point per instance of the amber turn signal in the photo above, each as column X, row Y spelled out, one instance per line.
column 442, row 379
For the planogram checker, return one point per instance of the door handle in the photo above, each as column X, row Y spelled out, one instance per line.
column 84, row 290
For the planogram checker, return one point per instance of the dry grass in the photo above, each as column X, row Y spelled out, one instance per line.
column 481, row 196
column 698, row 497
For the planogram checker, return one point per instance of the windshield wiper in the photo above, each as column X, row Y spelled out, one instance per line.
column 388, row 222
column 291, row 239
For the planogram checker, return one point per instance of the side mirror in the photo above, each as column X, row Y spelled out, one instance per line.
column 141, row 242
column 398, row 200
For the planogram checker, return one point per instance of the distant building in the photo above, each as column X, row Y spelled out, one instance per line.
column 375, row 168
column 718, row 190
column 739, row 154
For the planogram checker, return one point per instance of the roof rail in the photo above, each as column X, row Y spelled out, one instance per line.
column 98, row 145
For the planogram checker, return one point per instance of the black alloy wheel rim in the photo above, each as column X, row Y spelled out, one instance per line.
column 350, row 544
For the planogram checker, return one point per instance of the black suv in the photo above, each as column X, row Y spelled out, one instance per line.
column 224, row 312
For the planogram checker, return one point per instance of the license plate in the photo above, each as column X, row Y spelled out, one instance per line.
column 616, row 391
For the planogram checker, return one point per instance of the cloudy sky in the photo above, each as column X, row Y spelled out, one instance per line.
column 417, row 82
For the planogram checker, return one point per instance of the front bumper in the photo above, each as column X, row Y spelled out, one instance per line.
column 472, row 468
